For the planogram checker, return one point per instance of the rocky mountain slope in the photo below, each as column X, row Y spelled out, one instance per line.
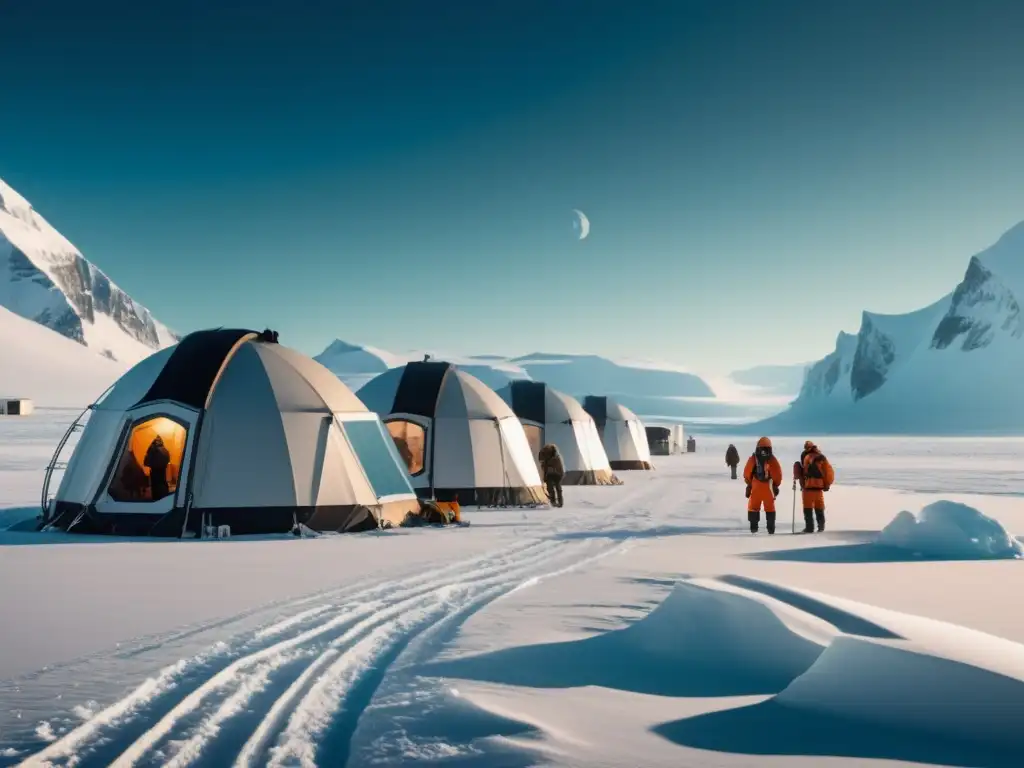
column 44, row 278
column 953, row 367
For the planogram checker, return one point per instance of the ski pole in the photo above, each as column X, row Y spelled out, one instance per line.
column 794, row 506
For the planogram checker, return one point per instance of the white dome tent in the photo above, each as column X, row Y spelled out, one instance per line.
column 550, row 416
column 459, row 440
column 228, row 427
column 622, row 433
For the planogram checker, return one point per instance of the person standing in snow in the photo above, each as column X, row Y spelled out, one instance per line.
column 732, row 459
column 157, row 459
column 816, row 477
column 552, row 469
column 763, row 476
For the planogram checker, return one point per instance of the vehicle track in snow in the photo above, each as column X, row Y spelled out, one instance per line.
column 271, row 696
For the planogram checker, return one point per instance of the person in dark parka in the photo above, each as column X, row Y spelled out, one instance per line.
column 552, row 469
column 732, row 459
column 157, row 459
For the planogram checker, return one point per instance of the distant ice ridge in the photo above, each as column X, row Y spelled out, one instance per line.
column 573, row 374
column 948, row 530
column 44, row 278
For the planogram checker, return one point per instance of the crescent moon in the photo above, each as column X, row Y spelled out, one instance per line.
column 583, row 222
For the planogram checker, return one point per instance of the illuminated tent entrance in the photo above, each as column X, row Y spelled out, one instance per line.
column 230, row 428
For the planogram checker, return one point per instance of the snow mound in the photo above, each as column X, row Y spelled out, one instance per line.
column 946, row 529
column 698, row 642
column 896, row 688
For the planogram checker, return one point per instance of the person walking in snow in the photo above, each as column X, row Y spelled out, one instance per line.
column 732, row 459
column 763, row 476
column 816, row 477
column 552, row 469
column 157, row 459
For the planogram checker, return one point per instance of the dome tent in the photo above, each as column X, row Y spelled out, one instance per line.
column 227, row 427
column 550, row 416
column 458, row 438
column 622, row 433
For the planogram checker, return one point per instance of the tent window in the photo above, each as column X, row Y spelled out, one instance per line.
column 411, row 441
column 149, row 468
column 377, row 454
column 535, row 437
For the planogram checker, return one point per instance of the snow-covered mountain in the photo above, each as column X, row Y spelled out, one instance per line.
column 44, row 278
column 48, row 368
column 647, row 384
column 953, row 367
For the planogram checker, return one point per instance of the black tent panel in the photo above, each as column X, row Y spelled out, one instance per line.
column 419, row 388
column 528, row 400
column 190, row 371
column 597, row 407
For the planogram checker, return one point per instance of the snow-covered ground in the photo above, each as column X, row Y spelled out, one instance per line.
column 641, row 625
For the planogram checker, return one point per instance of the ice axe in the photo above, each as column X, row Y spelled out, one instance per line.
column 793, row 518
column 797, row 469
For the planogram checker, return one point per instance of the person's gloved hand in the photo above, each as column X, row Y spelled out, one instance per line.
column 826, row 488
column 748, row 491
column 775, row 490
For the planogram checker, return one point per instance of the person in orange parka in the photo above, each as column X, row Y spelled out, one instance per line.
column 763, row 476
column 816, row 477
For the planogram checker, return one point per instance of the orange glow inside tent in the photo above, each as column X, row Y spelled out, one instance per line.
column 133, row 461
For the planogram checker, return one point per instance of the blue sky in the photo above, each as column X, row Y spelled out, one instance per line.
column 403, row 173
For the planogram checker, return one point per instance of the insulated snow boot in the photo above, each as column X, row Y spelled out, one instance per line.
column 808, row 521
column 754, row 518
column 820, row 515
column 770, row 522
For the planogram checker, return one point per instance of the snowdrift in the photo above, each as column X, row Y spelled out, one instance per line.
column 699, row 642
column 937, row 693
column 948, row 530
column 898, row 688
